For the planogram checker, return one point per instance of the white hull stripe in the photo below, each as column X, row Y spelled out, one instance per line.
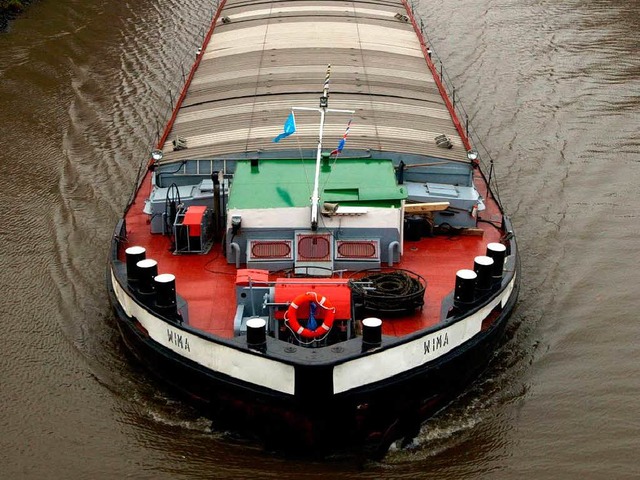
column 346, row 376
column 387, row 363
column 211, row 355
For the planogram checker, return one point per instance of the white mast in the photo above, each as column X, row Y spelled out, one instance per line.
column 323, row 109
column 315, row 196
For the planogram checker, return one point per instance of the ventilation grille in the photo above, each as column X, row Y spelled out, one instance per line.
column 314, row 254
column 357, row 250
column 313, row 248
column 266, row 250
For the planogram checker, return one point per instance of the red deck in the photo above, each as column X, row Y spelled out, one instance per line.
column 406, row 80
column 207, row 282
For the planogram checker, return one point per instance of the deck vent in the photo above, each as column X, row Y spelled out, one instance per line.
column 179, row 143
column 314, row 253
column 443, row 141
column 270, row 250
column 270, row 254
column 357, row 250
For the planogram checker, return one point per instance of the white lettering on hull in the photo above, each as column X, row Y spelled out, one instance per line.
column 388, row 363
column 214, row 356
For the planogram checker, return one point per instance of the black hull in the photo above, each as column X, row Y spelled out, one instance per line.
column 366, row 420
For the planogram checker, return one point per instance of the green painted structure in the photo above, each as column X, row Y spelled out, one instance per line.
column 289, row 183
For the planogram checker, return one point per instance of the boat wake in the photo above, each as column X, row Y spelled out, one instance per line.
column 477, row 416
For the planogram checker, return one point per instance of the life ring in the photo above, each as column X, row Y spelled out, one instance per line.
column 291, row 316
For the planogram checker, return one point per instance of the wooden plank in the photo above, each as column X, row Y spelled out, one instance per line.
column 425, row 207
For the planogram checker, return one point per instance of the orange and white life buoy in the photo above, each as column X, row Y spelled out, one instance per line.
column 291, row 316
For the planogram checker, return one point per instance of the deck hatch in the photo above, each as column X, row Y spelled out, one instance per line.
column 314, row 253
column 314, row 247
column 442, row 190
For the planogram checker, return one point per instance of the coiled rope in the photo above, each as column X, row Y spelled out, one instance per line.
column 398, row 291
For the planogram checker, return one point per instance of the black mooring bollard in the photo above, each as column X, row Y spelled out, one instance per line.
column 371, row 333
column 165, row 287
column 498, row 252
column 148, row 269
column 256, row 333
column 483, row 266
column 134, row 255
column 465, row 286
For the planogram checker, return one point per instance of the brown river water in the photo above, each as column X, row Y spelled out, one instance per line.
column 553, row 89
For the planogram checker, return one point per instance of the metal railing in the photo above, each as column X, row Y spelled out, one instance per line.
column 487, row 165
column 174, row 88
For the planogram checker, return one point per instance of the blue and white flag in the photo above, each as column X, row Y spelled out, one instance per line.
column 289, row 128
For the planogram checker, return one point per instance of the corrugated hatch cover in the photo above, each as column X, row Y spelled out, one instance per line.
column 267, row 57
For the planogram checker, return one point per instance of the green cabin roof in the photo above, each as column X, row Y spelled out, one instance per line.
column 289, row 183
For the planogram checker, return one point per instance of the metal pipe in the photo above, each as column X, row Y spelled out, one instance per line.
column 236, row 248
column 393, row 245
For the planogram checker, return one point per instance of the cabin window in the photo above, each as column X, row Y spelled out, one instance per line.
column 204, row 167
